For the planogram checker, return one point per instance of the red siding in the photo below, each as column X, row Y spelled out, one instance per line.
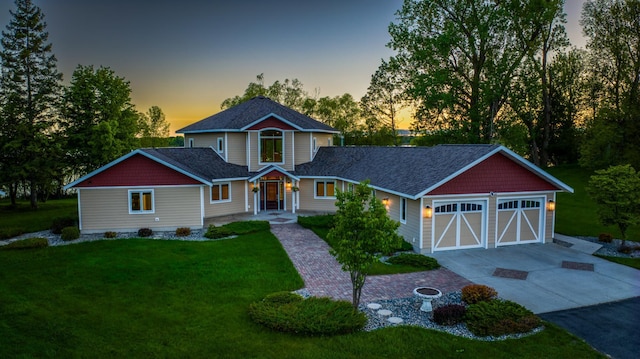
column 274, row 173
column 271, row 122
column 495, row 174
column 137, row 170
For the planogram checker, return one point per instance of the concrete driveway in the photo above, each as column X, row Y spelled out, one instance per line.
column 545, row 277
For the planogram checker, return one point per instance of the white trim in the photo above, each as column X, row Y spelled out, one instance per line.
column 293, row 151
column 267, row 169
column 315, row 189
column 284, row 147
column 421, row 229
column 142, row 187
column 246, row 197
column 79, row 211
column 220, row 142
column 280, row 118
column 191, row 142
column 553, row 219
column 219, row 184
column 403, row 208
column 248, row 149
column 141, row 192
column 310, row 146
column 202, row 206
column 517, row 211
column 484, row 230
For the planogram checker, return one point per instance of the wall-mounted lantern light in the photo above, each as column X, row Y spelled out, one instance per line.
column 428, row 212
column 288, row 185
column 551, row 205
column 385, row 201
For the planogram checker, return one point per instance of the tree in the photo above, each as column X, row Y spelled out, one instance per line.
column 616, row 191
column 384, row 99
column 100, row 123
column 362, row 229
column 459, row 58
column 289, row 93
column 153, row 127
column 29, row 90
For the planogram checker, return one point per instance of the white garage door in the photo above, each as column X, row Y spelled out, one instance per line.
column 459, row 224
column 520, row 221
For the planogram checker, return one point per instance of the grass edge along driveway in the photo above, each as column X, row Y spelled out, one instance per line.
column 149, row 298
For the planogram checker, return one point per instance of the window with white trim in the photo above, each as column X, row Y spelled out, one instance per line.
column 325, row 189
column 220, row 144
column 190, row 142
column 350, row 187
column 221, row 192
column 141, row 201
column 403, row 210
column 271, row 146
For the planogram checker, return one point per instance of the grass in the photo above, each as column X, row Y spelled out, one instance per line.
column 576, row 213
column 149, row 298
column 23, row 219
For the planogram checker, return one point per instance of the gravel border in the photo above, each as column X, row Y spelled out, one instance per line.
column 611, row 249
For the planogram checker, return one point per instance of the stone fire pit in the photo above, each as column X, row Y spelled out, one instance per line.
column 427, row 294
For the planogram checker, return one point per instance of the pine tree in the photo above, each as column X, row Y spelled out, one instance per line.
column 29, row 91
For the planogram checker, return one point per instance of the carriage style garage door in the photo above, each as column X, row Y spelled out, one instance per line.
column 459, row 224
column 519, row 221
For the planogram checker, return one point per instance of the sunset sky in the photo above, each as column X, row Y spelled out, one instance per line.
column 188, row 56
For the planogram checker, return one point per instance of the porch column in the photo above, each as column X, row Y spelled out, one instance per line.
column 256, row 203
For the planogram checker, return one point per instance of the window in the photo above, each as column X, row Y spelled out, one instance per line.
column 141, row 201
column 350, row 187
column 315, row 144
column 220, row 145
column 271, row 146
column 191, row 142
column 403, row 210
column 221, row 192
column 325, row 189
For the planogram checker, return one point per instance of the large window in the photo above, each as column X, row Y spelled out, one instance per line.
column 221, row 192
column 141, row 201
column 325, row 189
column 271, row 146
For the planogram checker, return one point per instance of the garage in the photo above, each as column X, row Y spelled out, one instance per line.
column 459, row 224
column 520, row 220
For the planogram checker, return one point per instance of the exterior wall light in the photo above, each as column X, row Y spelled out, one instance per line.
column 428, row 211
column 551, row 205
column 385, row 201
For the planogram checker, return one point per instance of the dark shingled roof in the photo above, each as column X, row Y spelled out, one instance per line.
column 246, row 113
column 406, row 170
column 201, row 162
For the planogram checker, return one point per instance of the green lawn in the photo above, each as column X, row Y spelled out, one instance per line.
column 576, row 213
column 146, row 298
column 23, row 219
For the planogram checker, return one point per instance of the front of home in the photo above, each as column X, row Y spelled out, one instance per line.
column 262, row 156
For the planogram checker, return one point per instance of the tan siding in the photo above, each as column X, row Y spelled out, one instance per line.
column 322, row 139
column 548, row 220
column 309, row 203
column 202, row 139
column 302, row 145
column 288, row 151
column 427, row 225
column 237, row 204
column 108, row 210
column 253, row 151
column 237, row 148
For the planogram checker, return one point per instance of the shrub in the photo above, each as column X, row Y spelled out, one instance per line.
column 183, row 231
column 499, row 317
column 415, row 260
column 145, row 232
column 605, row 237
column 61, row 222
column 449, row 314
column 10, row 232
column 322, row 221
column 246, row 227
column 110, row 234
column 475, row 293
column 214, row 232
column 70, row 233
column 28, row 243
column 312, row 316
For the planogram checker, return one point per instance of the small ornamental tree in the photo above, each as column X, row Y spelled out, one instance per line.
column 616, row 191
column 362, row 229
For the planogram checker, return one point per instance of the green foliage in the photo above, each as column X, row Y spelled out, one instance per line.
column 312, row 316
column 70, row 233
column 362, row 229
column 214, row 232
column 61, row 222
column 19, row 219
column 415, row 260
column 321, row 221
column 616, row 191
column 145, row 232
column 183, row 231
column 476, row 293
column 605, row 237
column 110, row 234
column 236, row 228
column 153, row 127
column 499, row 317
column 450, row 314
column 27, row 243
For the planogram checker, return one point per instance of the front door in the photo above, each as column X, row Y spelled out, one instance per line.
column 271, row 195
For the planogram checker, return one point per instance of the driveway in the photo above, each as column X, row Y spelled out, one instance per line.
column 545, row 277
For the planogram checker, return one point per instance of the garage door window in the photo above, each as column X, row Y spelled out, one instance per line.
column 464, row 207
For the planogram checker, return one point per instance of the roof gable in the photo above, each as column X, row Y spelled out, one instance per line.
column 137, row 170
column 246, row 114
column 270, row 122
column 497, row 173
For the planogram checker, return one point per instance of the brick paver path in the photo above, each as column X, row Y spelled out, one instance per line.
column 323, row 276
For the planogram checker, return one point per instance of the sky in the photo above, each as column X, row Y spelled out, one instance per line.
column 188, row 56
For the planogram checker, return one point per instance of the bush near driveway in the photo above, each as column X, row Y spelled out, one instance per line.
column 499, row 317
column 27, row 243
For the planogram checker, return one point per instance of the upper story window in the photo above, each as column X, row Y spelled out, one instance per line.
column 220, row 145
column 271, row 146
column 190, row 142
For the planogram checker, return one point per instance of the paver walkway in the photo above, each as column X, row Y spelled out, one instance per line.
column 323, row 276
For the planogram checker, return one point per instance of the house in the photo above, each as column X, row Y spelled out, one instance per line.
column 262, row 156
